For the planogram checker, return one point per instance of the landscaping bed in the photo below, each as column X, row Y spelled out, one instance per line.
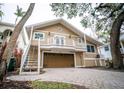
column 38, row 85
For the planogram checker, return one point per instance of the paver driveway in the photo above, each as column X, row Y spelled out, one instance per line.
column 90, row 78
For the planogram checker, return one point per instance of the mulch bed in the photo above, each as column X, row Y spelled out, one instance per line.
column 15, row 85
column 8, row 84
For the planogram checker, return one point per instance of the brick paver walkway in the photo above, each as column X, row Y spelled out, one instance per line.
column 91, row 78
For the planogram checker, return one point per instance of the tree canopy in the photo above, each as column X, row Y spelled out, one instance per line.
column 102, row 15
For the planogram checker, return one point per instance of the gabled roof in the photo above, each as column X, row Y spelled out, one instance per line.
column 7, row 24
column 66, row 24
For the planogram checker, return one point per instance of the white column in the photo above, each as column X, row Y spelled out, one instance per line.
column 85, row 42
column 73, row 41
column 99, row 59
column 96, row 61
column 39, row 56
column 84, row 59
column 42, row 59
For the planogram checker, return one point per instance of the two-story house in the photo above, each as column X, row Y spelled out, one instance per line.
column 58, row 44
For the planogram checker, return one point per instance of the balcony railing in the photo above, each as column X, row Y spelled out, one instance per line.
column 69, row 43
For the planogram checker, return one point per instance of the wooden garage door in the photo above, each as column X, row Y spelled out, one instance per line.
column 54, row 60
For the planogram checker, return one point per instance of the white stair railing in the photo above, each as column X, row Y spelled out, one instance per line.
column 39, row 56
column 25, row 53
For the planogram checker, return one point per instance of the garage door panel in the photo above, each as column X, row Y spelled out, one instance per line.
column 53, row 60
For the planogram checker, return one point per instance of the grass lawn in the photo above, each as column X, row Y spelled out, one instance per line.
column 38, row 85
column 53, row 85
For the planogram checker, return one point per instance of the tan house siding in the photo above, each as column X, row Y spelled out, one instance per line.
column 79, row 59
column 90, row 56
column 35, row 42
column 90, row 63
column 33, row 53
column 96, row 50
column 50, row 31
column 58, row 28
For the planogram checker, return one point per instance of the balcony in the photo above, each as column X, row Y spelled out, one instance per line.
column 61, row 42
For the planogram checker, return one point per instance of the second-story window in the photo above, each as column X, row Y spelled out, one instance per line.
column 79, row 40
column 90, row 48
column 59, row 40
column 38, row 35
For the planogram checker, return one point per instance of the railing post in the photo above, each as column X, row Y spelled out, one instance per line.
column 39, row 56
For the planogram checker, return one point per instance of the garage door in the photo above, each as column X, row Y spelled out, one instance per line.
column 54, row 60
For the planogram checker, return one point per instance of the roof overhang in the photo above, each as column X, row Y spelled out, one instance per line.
column 7, row 24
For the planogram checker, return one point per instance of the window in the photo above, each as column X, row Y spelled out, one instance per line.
column 106, row 48
column 59, row 40
column 79, row 40
column 90, row 48
column 38, row 35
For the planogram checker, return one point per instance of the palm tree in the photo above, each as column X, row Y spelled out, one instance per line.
column 1, row 12
column 19, row 13
column 8, row 52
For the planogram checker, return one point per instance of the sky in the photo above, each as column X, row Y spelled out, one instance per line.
column 42, row 12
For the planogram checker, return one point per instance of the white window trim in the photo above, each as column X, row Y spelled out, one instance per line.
column 107, row 47
column 93, row 46
column 54, row 41
column 40, row 33
column 80, row 43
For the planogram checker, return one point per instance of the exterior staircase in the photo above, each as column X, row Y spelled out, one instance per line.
column 29, row 66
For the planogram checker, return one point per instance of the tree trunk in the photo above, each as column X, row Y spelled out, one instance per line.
column 115, row 41
column 2, row 63
column 8, row 53
column 16, row 20
column 12, row 42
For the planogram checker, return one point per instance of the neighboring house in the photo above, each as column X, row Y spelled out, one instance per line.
column 105, row 50
column 6, row 30
column 58, row 44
